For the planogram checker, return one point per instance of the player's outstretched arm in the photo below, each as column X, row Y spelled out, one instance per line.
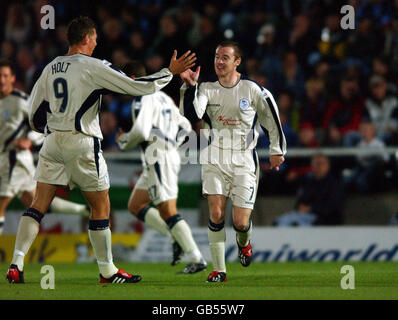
column 183, row 63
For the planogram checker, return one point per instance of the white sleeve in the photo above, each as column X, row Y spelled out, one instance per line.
column 36, row 137
column 142, row 126
column 268, row 116
column 193, row 102
column 37, row 105
column 114, row 80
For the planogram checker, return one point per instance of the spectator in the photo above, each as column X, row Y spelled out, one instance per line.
column 268, row 52
column 292, row 75
column 8, row 51
column 364, row 43
column 301, row 40
column 26, row 64
column 112, row 38
column 119, row 58
column 314, row 106
column 108, row 125
column 368, row 175
column 332, row 43
column 210, row 37
column 18, row 24
column 344, row 114
column 287, row 107
column 382, row 110
column 319, row 199
column 380, row 66
column 170, row 37
column 391, row 45
column 137, row 45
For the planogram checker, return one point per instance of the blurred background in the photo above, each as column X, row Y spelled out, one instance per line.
column 336, row 91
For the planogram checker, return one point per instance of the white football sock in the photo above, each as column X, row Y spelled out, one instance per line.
column 59, row 205
column 2, row 219
column 243, row 237
column 155, row 221
column 28, row 229
column 183, row 235
column 101, row 242
column 217, row 249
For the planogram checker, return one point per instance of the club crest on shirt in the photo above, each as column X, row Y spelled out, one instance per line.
column 244, row 104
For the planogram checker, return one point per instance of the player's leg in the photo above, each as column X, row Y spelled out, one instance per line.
column 217, row 236
column 216, row 187
column 59, row 205
column 139, row 206
column 181, row 232
column 243, row 227
column 4, row 202
column 243, row 195
column 28, row 228
column 100, row 238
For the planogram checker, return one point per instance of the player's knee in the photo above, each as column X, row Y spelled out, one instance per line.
column 217, row 216
column 166, row 214
column 133, row 208
column 136, row 208
column 241, row 224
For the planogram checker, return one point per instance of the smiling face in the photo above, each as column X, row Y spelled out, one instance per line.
column 225, row 61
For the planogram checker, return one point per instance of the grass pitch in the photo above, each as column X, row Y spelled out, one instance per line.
column 260, row 281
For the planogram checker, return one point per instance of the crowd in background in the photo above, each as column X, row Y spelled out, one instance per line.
column 334, row 87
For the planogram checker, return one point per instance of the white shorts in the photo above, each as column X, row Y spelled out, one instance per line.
column 72, row 159
column 15, row 178
column 236, row 178
column 161, row 179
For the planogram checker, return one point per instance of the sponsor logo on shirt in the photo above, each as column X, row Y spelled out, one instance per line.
column 229, row 121
column 214, row 105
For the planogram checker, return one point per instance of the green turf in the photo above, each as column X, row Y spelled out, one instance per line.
column 260, row 281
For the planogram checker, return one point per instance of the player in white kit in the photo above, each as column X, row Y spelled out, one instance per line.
column 64, row 104
column 233, row 107
column 157, row 124
column 16, row 160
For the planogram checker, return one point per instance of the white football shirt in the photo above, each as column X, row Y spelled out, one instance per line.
column 234, row 114
column 67, row 96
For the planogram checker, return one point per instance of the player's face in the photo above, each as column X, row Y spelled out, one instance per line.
column 225, row 61
column 92, row 41
column 7, row 80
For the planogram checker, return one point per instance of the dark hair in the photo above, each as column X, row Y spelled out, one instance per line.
column 233, row 44
column 6, row 63
column 134, row 67
column 78, row 28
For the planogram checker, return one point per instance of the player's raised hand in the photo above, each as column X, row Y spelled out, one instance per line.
column 276, row 161
column 23, row 144
column 190, row 77
column 186, row 61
